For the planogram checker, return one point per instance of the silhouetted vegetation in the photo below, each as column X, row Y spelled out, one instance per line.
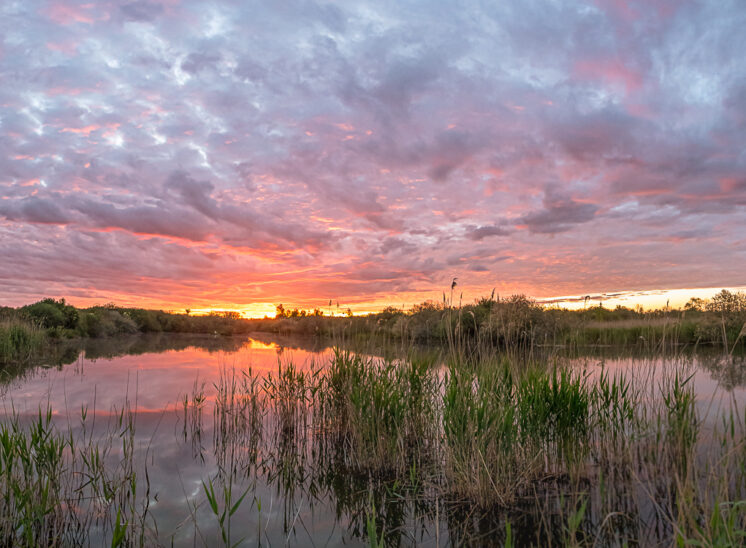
column 516, row 322
column 520, row 322
column 63, row 320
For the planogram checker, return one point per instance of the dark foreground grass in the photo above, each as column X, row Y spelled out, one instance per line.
column 474, row 448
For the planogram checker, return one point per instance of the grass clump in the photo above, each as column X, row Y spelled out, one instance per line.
column 20, row 341
column 682, row 424
column 505, row 429
column 382, row 409
column 65, row 488
column 31, row 464
column 553, row 406
column 482, row 455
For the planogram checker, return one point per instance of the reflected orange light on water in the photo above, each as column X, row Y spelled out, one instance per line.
column 154, row 381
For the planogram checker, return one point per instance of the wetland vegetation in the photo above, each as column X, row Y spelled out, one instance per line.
column 507, row 429
column 508, row 323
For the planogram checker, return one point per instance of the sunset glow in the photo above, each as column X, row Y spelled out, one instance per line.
column 232, row 156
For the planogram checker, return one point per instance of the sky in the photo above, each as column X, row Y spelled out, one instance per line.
column 237, row 155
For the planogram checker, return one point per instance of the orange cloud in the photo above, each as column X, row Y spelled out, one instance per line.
column 87, row 130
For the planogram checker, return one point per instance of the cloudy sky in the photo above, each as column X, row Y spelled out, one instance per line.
column 180, row 153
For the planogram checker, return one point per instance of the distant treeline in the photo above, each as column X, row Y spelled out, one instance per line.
column 26, row 330
column 63, row 320
column 512, row 322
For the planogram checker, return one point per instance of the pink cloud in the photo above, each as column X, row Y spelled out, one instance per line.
column 64, row 13
column 87, row 130
column 612, row 72
column 68, row 47
column 329, row 157
column 633, row 10
column 732, row 184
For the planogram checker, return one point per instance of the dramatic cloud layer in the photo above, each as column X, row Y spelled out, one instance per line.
column 191, row 153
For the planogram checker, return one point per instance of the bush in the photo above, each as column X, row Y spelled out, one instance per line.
column 50, row 313
column 147, row 320
column 102, row 322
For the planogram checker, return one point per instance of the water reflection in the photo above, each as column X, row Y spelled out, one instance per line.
column 200, row 416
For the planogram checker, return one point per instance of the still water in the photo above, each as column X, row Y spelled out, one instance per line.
column 288, row 500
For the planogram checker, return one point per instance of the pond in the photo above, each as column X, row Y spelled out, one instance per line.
column 187, row 445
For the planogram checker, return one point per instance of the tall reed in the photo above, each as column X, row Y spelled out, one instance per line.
column 20, row 341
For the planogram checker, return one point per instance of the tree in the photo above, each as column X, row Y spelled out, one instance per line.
column 726, row 302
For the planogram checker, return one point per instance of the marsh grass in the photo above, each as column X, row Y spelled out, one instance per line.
column 471, row 445
column 506, row 429
column 71, row 488
column 491, row 435
column 380, row 410
column 19, row 341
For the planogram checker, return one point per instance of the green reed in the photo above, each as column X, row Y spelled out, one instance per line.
column 20, row 341
column 65, row 488
column 610, row 459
